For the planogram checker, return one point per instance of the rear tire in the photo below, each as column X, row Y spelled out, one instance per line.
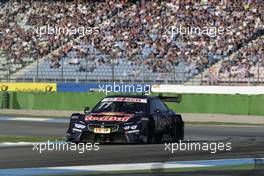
column 150, row 132
column 181, row 131
column 180, row 125
column 176, row 132
column 152, row 136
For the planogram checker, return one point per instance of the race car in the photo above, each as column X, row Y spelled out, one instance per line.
column 129, row 119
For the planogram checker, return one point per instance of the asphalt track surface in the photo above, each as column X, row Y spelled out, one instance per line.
column 247, row 142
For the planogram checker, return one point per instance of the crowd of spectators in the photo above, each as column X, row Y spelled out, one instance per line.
column 248, row 62
column 138, row 33
column 144, row 34
column 20, row 41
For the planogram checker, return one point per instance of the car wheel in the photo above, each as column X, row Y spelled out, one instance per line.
column 181, row 131
column 150, row 132
column 87, row 137
column 158, row 137
column 175, row 132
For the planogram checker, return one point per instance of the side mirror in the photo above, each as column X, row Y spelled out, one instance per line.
column 86, row 110
column 157, row 110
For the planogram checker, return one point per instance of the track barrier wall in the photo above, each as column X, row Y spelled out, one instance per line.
column 191, row 103
column 28, row 87
column 99, row 87
column 54, row 101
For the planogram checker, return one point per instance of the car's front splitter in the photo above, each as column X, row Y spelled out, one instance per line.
column 131, row 136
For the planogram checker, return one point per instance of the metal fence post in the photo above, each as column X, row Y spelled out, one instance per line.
column 37, row 68
column 62, row 69
column 113, row 72
column 143, row 70
column 258, row 74
column 86, row 69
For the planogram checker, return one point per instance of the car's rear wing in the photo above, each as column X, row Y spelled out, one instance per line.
column 176, row 99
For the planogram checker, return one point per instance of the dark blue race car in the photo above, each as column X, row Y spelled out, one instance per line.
column 130, row 119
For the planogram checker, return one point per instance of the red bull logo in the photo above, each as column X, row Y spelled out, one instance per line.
column 107, row 118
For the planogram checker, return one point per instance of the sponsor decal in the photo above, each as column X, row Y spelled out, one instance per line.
column 133, row 131
column 144, row 119
column 48, row 88
column 75, row 129
column 4, row 88
column 107, row 118
column 125, row 99
column 111, row 113
column 28, row 87
column 156, row 86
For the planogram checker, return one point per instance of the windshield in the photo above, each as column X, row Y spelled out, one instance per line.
column 120, row 106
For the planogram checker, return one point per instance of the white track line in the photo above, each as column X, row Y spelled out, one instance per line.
column 65, row 120
column 37, row 119
column 21, row 144
column 92, row 169
column 125, row 167
column 15, row 144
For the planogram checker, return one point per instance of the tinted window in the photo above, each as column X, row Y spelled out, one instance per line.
column 153, row 105
column 157, row 104
column 115, row 106
column 161, row 105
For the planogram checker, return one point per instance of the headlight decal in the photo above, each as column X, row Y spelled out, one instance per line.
column 133, row 127
column 130, row 127
column 79, row 126
column 126, row 127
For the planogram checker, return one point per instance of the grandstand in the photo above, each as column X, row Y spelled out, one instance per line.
column 134, row 42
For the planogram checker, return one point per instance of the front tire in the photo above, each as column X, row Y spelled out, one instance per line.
column 158, row 138
column 88, row 137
